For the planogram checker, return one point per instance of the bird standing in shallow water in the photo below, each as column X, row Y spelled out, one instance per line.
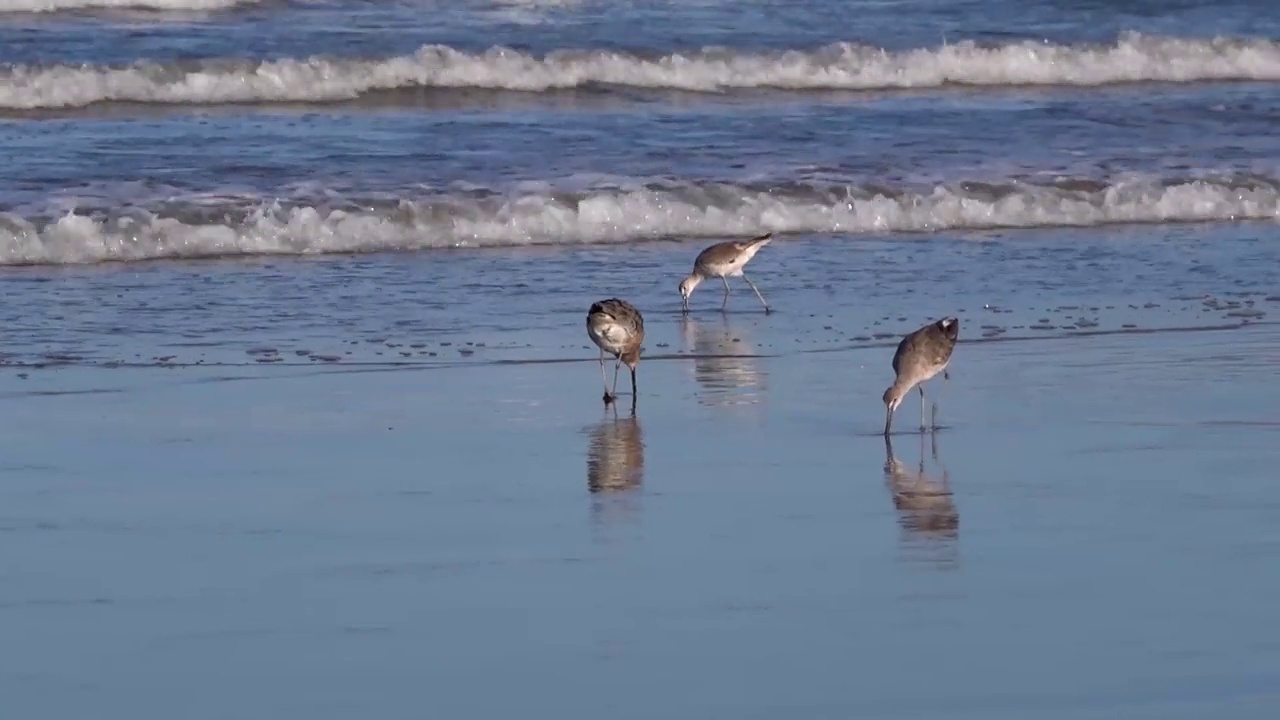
column 616, row 327
column 724, row 260
column 921, row 355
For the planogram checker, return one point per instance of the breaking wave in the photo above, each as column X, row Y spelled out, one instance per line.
column 845, row 66
column 43, row 6
column 546, row 216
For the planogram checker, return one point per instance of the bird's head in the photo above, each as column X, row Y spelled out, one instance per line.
column 686, row 288
column 893, row 397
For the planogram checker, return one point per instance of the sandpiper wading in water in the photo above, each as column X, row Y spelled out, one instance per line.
column 724, row 260
column 616, row 327
column 920, row 356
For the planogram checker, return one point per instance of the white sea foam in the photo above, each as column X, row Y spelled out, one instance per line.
column 1133, row 58
column 616, row 215
column 42, row 6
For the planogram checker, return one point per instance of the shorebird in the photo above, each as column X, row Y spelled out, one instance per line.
column 616, row 327
column 921, row 355
column 724, row 260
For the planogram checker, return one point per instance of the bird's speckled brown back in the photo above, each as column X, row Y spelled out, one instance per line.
column 928, row 347
column 626, row 315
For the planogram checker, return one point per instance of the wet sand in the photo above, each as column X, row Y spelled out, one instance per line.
column 1093, row 539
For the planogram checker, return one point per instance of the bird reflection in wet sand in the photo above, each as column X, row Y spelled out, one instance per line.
column 926, row 508
column 724, row 362
column 615, row 465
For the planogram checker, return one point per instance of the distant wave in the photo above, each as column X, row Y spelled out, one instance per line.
column 547, row 216
column 1132, row 58
column 40, row 6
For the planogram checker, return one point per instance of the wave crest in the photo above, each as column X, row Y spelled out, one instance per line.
column 845, row 66
column 478, row 218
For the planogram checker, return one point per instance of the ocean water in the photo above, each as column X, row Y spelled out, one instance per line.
column 303, row 420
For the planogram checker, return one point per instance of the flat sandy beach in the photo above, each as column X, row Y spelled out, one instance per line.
column 471, row 534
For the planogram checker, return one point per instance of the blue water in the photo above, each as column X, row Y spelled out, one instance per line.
column 288, row 127
column 303, row 422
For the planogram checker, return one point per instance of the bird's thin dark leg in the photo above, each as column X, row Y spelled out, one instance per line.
column 757, row 292
column 604, row 379
column 725, row 303
column 616, row 367
column 920, row 387
column 634, row 394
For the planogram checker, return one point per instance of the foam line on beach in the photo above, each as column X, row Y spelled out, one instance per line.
column 1131, row 58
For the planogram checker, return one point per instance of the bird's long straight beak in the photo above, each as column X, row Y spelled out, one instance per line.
column 684, row 305
column 888, row 421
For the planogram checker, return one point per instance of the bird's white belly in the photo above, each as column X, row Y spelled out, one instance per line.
column 729, row 269
column 609, row 336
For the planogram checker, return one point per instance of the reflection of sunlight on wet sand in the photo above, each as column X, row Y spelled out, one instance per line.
column 723, row 365
column 615, row 467
column 926, row 509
